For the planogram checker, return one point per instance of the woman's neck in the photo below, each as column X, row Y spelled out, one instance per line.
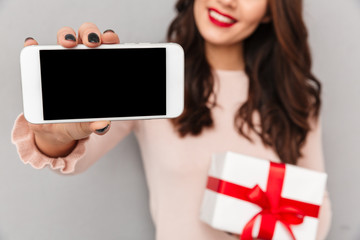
column 228, row 57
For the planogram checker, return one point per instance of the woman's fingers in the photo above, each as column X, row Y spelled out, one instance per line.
column 68, row 132
column 82, row 130
column 66, row 37
column 30, row 41
column 89, row 35
column 110, row 37
column 100, row 127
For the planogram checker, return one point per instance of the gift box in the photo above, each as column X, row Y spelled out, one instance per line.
column 257, row 198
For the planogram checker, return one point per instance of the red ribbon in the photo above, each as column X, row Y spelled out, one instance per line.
column 274, row 207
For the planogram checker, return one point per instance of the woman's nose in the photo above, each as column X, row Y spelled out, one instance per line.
column 229, row 3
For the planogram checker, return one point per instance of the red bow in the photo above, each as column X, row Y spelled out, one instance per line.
column 274, row 207
column 286, row 215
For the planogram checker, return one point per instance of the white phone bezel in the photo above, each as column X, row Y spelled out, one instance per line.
column 31, row 81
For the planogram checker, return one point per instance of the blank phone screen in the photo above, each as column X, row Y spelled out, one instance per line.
column 103, row 83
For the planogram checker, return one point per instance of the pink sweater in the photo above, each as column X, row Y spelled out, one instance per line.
column 171, row 161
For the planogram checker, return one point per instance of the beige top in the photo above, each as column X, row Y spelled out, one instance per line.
column 176, row 168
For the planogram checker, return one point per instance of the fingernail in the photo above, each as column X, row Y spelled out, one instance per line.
column 93, row 38
column 109, row 30
column 28, row 38
column 103, row 129
column 70, row 37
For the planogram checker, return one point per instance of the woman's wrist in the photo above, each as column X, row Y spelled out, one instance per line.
column 53, row 148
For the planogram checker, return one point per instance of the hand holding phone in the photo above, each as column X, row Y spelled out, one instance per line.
column 110, row 82
column 59, row 139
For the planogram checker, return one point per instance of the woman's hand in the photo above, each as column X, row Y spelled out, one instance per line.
column 58, row 140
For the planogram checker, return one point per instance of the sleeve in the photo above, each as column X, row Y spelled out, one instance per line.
column 86, row 152
column 313, row 158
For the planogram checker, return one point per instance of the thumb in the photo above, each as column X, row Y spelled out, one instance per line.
column 99, row 127
column 76, row 131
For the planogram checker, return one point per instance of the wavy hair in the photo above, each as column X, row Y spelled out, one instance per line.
column 282, row 88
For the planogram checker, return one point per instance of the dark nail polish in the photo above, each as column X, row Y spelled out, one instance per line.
column 70, row 37
column 103, row 129
column 28, row 38
column 93, row 38
column 109, row 30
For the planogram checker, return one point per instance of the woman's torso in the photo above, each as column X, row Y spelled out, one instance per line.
column 176, row 168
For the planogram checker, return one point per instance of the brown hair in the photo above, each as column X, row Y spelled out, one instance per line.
column 282, row 88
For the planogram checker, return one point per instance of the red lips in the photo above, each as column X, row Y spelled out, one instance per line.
column 221, row 19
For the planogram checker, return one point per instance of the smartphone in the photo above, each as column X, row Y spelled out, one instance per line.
column 110, row 82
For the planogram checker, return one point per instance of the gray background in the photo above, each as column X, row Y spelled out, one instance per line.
column 110, row 200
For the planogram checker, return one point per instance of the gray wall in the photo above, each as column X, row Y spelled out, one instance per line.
column 109, row 201
column 334, row 36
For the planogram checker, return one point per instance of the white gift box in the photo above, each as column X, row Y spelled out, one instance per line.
column 231, row 214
